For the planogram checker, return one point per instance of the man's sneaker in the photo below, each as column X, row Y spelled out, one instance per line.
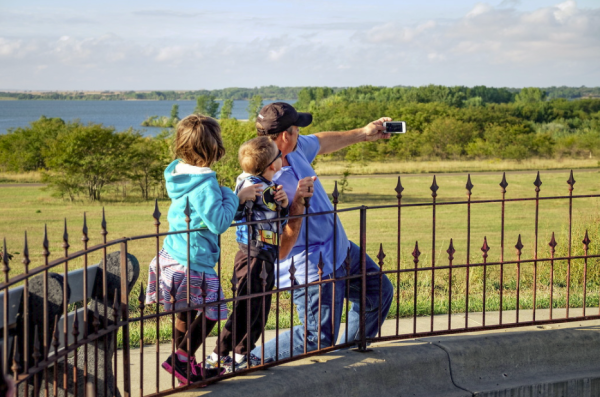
column 174, row 365
column 254, row 361
column 225, row 363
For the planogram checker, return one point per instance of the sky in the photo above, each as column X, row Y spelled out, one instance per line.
column 198, row 44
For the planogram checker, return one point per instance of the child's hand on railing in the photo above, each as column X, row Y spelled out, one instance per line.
column 250, row 193
column 281, row 197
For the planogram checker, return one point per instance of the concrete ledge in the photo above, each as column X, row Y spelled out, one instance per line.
column 540, row 361
column 556, row 360
column 393, row 370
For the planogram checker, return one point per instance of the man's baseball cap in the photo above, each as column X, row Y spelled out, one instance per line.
column 279, row 116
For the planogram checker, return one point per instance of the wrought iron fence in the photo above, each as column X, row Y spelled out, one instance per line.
column 43, row 340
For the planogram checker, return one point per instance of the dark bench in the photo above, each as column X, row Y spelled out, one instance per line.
column 75, row 293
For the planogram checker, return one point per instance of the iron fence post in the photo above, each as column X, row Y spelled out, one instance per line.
column 125, row 318
column 363, row 270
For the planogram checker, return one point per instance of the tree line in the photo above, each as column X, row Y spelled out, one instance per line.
column 84, row 160
column 292, row 93
column 459, row 122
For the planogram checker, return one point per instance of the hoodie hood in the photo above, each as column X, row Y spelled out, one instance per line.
column 182, row 178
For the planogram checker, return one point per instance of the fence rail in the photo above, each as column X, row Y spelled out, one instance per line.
column 59, row 337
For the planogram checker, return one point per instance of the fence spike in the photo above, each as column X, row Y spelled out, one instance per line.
column 46, row 251
column 5, row 259
column 571, row 181
column 469, row 186
column 292, row 272
column 156, row 215
column 434, row 188
column 187, row 211
column 336, row 194
column 26, row 260
column 538, row 182
column 234, row 281
column 519, row 246
column 552, row 244
column 104, row 232
column 399, row 189
column 503, row 183
column 84, row 230
column 451, row 251
column 173, row 292
column 380, row 255
column 586, row 241
column 142, row 297
column 320, row 265
column 416, row 253
column 65, row 243
column 16, row 368
column 263, row 276
column 485, row 248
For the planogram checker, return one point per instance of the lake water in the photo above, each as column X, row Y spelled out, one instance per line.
column 119, row 114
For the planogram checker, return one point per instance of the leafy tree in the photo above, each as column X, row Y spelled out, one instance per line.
column 531, row 95
column 175, row 112
column 206, row 105
column 254, row 106
column 226, row 109
column 234, row 133
column 21, row 149
column 147, row 161
column 87, row 158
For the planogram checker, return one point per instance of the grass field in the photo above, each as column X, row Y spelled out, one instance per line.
column 327, row 167
column 30, row 208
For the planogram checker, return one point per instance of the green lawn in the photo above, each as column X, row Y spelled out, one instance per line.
column 30, row 208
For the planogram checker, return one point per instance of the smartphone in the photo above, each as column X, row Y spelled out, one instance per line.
column 395, row 127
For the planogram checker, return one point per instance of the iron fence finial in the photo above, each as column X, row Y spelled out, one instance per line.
column 292, row 272
column 571, row 181
column 336, row 194
column 84, row 230
column 538, row 182
column 65, row 243
column 552, row 244
column 416, row 253
column 434, row 188
column 451, row 250
column 503, row 183
column 320, row 265
column 586, row 241
column 142, row 297
column 399, row 189
column 46, row 251
column 519, row 246
column 485, row 248
column 381, row 255
column 26, row 260
column 156, row 214
column 104, row 232
column 469, row 186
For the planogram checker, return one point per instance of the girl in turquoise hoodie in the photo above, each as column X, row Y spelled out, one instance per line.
column 190, row 181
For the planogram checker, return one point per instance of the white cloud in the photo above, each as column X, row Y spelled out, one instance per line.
column 498, row 46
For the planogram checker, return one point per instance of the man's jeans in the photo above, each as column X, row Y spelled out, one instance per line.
column 311, row 310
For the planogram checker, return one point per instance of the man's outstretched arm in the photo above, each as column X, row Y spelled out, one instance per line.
column 333, row 141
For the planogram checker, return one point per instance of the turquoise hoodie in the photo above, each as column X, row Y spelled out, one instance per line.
column 212, row 208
